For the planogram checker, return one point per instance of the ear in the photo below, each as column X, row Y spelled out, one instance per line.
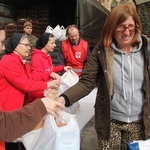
column 67, row 32
column 15, row 51
column 79, row 33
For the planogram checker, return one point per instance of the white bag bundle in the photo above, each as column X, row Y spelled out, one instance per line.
column 63, row 36
column 49, row 29
column 52, row 137
column 57, row 32
column 68, row 79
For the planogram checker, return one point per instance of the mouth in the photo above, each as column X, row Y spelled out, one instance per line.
column 126, row 37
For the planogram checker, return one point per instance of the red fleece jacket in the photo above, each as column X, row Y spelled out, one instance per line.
column 15, row 82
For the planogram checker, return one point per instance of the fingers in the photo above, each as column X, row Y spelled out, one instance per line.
column 56, row 109
column 53, row 113
column 67, row 68
column 55, row 76
column 52, row 106
column 53, row 84
column 59, row 105
column 61, row 100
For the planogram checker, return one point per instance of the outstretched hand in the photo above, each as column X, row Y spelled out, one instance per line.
column 52, row 106
column 60, row 100
column 67, row 68
column 54, row 84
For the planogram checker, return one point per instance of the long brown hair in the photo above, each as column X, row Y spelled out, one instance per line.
column 118, row 15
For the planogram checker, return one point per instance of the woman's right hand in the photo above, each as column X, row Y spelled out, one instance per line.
column 54, row 84
column 52, row 106
column 60, row 100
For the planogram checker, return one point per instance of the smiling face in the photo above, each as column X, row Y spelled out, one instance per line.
column 49, row 47
column 125, row 32
column 23, row 48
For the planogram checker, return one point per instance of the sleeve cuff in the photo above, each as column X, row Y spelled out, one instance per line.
column 67, row 103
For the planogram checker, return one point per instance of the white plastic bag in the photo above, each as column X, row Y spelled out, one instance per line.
column 52, row 137
column 63, row 36
column 49, row 29
column 68, row 79
column 57, row 32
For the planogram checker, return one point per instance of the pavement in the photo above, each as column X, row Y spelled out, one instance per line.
column 89, row 137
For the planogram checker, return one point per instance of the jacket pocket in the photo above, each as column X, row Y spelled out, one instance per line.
column 100, row 102
column 102, row 116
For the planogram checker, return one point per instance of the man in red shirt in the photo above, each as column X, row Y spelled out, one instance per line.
column 74, row 51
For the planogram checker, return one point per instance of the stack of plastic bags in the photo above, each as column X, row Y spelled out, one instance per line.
column 59, row 32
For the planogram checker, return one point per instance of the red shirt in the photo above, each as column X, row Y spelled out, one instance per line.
column 75, row 56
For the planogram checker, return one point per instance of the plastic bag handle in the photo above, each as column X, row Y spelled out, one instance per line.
column 49, row 27
column 62, row 28
column 71, row 71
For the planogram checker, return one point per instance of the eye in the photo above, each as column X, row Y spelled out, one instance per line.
column 122, row 28
column 25, row 44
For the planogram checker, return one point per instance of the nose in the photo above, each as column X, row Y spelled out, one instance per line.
column 3, row 47
column 126, row 30
column 29, row 47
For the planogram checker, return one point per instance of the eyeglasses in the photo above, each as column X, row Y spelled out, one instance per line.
column 25, row 44
column 74, row 36
column 123, row 28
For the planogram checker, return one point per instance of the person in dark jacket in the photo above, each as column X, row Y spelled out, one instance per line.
column 119, row 67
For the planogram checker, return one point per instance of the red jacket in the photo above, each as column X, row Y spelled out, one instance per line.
column 2, row 145
column 42, row 66
column 15, row 82
column 75, row 56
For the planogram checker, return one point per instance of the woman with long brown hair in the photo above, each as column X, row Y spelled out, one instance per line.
column 119, row 66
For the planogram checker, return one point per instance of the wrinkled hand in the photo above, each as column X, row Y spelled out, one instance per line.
column 54, row 84
column 55, row 76
column 66, row 68
column 52, row 106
